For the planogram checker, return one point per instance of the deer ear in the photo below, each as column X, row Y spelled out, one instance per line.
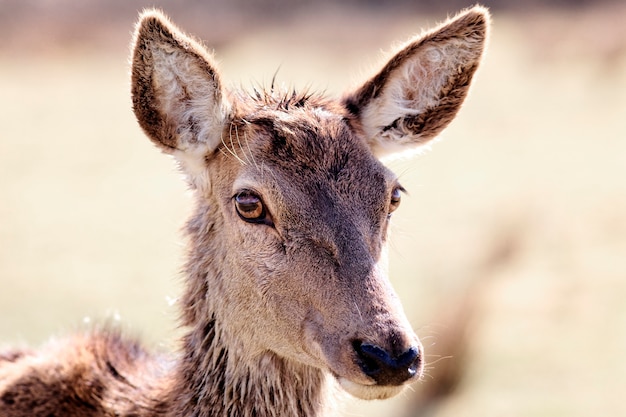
column 176, row 92
column 420, row 90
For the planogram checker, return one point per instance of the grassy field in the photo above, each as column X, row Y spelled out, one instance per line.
column 515, row 226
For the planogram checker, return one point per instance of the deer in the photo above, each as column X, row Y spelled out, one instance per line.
column 286, row 301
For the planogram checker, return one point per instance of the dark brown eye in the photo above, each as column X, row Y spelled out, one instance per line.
column 250, row 207
column 396, row 196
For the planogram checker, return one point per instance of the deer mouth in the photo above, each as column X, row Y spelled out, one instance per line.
column 378, row 375
column 364, row 369
column 369, row 392
column 368, row 373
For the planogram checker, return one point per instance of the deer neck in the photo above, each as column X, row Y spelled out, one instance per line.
column 214, row 380
column 217, row 375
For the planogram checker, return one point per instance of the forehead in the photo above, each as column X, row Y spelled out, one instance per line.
column 315, row 143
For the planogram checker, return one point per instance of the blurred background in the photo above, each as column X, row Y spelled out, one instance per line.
column 509, row 254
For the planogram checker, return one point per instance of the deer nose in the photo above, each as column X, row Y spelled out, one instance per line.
column 385, row 368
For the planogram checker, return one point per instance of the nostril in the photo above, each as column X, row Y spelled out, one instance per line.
column 409, row 358
column 372, row 358
column 385, row 369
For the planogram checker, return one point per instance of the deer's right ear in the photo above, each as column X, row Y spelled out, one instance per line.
column 176, row 92
column 420, row 90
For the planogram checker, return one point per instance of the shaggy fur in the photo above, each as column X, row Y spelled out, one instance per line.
column 286, row 294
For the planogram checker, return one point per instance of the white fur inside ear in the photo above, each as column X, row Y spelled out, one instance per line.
column 416, row 86
column 192, row 162
column 189, row 97
column 391, row 154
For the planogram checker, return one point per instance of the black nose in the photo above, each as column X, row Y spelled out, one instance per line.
column 383, row 367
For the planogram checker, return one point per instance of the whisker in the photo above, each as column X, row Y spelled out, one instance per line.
column 239, row 142
column 231, row 151
column 358, row 311
column 245, row 139
column 440, row 359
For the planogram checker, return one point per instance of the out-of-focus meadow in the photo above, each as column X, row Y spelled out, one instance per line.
column 509, row 254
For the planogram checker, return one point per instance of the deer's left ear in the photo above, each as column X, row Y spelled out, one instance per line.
column 420, row 90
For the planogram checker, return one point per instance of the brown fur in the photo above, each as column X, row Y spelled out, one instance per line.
column 280, row 307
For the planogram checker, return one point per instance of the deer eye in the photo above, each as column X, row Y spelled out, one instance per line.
column 396, row 197
column 250, row 207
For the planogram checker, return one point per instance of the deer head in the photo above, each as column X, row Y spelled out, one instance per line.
column 288, row 250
